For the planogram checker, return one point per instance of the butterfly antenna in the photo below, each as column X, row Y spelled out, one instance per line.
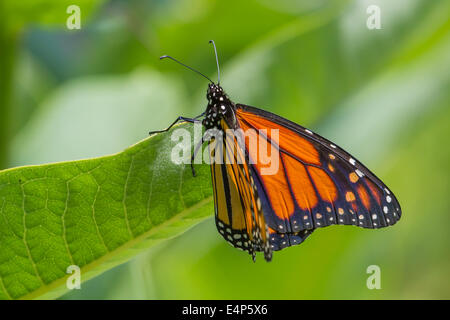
column 163, row 57
column 217, row 61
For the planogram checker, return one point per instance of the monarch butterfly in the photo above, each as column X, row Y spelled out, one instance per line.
column 317, row 184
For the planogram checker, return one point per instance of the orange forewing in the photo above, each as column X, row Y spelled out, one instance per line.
column 325, row 186
column 302, row 188
column 293, row 144
column 364, row 196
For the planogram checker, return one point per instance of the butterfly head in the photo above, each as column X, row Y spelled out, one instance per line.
column 215, row 92
column 219, row 106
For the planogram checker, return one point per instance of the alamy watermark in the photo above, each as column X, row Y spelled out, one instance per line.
column 374, row 280
column 74, row 20
column 374, row 18
column 230, row 146
column 74, row 280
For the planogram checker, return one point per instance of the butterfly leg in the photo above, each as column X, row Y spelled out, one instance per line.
column 194, row 154
column 205, row 138
column 191, row 120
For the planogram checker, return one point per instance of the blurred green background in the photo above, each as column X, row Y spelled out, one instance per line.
column 381, row 94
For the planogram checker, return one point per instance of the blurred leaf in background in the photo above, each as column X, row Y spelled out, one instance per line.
column 381, row 94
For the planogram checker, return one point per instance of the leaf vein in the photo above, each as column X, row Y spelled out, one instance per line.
column 125, row 197
column 30, row 257
column 95, row 220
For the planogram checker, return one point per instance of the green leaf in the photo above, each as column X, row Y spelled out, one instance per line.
column 94, row 213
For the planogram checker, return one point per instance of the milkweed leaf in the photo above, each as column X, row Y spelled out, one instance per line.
column 94, row 213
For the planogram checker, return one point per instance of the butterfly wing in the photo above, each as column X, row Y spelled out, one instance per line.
column 238, row 211
column 317, row 184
